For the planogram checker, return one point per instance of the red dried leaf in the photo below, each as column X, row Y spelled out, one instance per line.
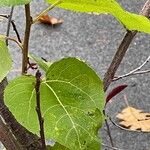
column 115, row 91
column 46, row 19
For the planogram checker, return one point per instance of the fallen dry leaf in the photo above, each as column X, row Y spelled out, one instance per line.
column 46, row 19
column 134, row 119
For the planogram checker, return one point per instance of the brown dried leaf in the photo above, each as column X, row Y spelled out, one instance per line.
column 46, row 19
column 134, row 119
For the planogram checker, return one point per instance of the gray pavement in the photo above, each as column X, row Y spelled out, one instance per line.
column 94, row 38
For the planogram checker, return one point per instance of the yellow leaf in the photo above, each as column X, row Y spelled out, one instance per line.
column 134, row 119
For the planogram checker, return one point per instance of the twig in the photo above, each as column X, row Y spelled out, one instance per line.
column 26, row 39
column 38, row 109
column 16, row 41
column 108, row 130
column 117, row 60
column 126, row 100
column 109, row 75
column 14, row 27
column 141, row 72
column 114, row 148
column 46, row 11
column 130, row 74
column 16, row 31
column 9, row 23
column 135, row 71
column 121, row 51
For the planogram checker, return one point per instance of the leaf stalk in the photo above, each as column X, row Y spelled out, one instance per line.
column 38, row 109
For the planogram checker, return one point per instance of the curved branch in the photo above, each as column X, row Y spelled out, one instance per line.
column 9, row 23
column 123, row 47
column 13, row 25
column 135, row 71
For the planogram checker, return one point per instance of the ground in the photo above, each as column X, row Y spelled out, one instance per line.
column 93, row 38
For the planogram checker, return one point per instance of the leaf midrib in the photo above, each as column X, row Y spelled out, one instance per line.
column 73, row 124
column 61, row 81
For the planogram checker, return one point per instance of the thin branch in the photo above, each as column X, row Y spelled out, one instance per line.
column 141, row 72
column 16, row 31
column 14, row 27
column 108, row 130
column 16, row 41
column 109, row 75
column 26, row 39
column 38, row 109
column 121, row 51
column 135, row 71
column 9, row 23
column 46, row 11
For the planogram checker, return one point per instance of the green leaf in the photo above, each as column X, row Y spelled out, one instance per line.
column 57, row 146
column 72, row 101
column 5, row 59
column 43, row 64
column 13, row 2
column 129, row 20
column 94, row 145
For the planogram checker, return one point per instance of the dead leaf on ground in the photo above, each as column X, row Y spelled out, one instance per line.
column 134, row 119
column 46, row 19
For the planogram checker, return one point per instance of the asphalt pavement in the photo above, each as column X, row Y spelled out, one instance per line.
column 94, row 39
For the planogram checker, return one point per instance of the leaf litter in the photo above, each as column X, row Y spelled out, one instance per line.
column 134, row 119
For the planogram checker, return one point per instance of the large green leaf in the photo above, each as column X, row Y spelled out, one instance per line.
column 13, row 2
column 130, row 20
column 94, row 145
column 57, row 146
column 5, row 59
column 72, row 100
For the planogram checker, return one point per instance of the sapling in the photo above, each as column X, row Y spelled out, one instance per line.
column 66, row 103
